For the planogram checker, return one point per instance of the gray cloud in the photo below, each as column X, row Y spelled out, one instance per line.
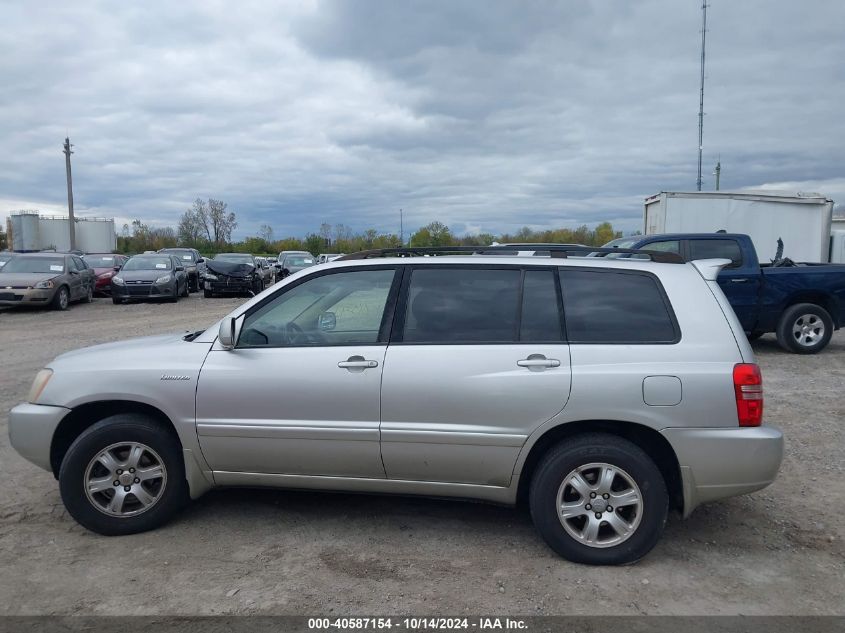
column 487, row 116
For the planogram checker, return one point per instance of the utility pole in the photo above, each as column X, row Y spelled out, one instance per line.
column 701, row 94
column 718, row 172
column 71, row 221
column 401, row 228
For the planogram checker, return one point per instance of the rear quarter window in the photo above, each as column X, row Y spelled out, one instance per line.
column 620, row 307
column 716, row 249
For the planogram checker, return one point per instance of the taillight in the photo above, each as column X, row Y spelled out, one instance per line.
column 748, row 387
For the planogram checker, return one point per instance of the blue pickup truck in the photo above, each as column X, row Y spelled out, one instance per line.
column 801, row 303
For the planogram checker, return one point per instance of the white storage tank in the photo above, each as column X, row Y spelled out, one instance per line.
column 54, row 232
column 25, row 233
column 95, row 235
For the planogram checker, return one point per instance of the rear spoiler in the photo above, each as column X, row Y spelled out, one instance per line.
column 710, row 268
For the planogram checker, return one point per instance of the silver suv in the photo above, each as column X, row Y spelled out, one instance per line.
column 602, row 391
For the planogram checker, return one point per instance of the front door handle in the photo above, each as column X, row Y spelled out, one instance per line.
column 739, row 281
column 536, row 362
column 357, row 363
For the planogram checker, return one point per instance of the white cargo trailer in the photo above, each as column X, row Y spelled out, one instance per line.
column 802, row 220
column 837, row 246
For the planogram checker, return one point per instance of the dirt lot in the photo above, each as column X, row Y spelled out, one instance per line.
column 779, row 551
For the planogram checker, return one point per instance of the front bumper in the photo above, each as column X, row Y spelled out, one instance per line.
column 31, row 429
column 717, row 463
column 228, row 285
column 25, row 296
column 142, row 291
column 103, row 285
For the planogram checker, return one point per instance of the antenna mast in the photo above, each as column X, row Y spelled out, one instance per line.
column 701, row 94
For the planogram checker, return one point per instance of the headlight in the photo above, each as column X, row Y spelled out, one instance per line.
column 41, row 380
column 163, row 279
column 117, row 280
column 210, row 276
column 44, row 285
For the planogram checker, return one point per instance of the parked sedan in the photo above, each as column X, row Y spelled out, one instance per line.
column 45, row 279
column 267, row 272
column 156, row 276
column 192, row 261
column 294, row 263
column 105, row 266
column 232, row 273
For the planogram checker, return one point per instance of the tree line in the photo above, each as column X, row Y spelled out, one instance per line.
column 208, row 226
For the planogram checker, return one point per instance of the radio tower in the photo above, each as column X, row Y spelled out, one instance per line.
column 701, row 94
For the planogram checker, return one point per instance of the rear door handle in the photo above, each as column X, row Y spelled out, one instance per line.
column 538, row 361
column 357, row 363
column 739, row 281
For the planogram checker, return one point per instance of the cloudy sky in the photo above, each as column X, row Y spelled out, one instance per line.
column 484, row 114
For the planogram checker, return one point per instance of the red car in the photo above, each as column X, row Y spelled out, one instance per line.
column 105, row 267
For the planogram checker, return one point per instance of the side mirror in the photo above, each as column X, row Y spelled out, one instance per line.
column 327, row 321
column 178, row 268
column 229, row 331
column 200, row 260
column 116, row 268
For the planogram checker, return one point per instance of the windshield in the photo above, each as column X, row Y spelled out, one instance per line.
column 35, row 265
column 299, row 261
column 100, row 261
column 148, row 263
column 185, row 256
column 234, row 257
column 623, row 242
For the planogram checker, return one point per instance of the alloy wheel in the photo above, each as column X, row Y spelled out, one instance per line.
column 599, row 505
column 125, row 479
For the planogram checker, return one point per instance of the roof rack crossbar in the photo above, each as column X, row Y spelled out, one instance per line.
column 561, row 252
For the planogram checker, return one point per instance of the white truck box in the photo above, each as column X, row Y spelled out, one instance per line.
column 802, row 220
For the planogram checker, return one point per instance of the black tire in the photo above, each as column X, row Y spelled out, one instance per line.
column 89, row 295
column 185, row 291
column 193, row 284
column 61, row 300
column 561, row 460
column 819, row 326
column 117, row 429
column 116, row 300
column 175, row 297
column 207, row 293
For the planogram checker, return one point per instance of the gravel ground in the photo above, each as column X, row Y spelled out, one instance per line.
column 779, row 551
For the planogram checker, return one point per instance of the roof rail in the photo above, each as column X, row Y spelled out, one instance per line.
column 560, row 252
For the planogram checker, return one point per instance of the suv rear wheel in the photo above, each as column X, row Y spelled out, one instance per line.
column 123, row 475
column 599, row 499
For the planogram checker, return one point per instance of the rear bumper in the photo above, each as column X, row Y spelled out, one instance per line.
column 31, row 429
column 717, row 463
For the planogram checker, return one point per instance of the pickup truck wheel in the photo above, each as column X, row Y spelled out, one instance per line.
column 123, row 475
column 804, row 328
column 599, row 499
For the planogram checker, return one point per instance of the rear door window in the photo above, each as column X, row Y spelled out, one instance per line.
column 462, row 305
column 616, row 307
column 716, row 249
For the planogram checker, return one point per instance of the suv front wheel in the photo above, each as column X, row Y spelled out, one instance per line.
column 599, row 499
column 123, row 475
